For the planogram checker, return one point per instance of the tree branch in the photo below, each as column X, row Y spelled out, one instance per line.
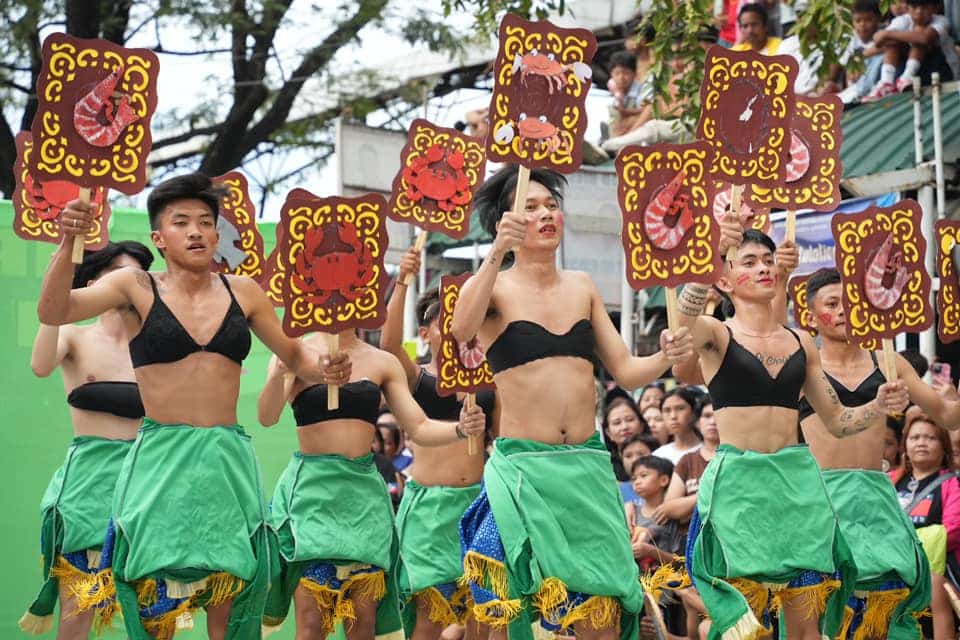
column 159, row 48
column 316, row 59
column 186, row 136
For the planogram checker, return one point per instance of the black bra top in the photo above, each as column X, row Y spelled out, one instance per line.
column 163, row 339
column 121, row 399
column 864, row 393
column 523, row 341
column 440, row 408
column 743, row 381
column 359, row 400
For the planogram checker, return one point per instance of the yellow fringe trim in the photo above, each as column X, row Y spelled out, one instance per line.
column 35, row 625
column 496, row 613
column 165, row 625
column 220, row 587
column 482, row 570
column 746, row 628
column 79, row 585
column 878, row 612
column 812, row 599
column 601, row 612
column 756, row 594
column 147, row 592
column 336, row 605
column 668, row 577
column 439, row 610
column 548, row 599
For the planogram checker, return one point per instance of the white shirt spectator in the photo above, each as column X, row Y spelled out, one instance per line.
column 671, row 452
column 807, row 78
column 942, row 26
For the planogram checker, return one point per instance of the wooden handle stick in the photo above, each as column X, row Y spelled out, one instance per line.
column 523, row 185
column 78, row 241
column 791, row 231
column 889, row 361
column 736, row 199
column 418, row 245
column 673, row 311
column 333, row 391
column 471, row 440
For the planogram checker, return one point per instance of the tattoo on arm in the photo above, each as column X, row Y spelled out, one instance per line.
column 143, row 280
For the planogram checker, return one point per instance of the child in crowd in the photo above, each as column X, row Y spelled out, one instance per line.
column 631, row 98
column 866, row 22
column 653, row 543
column 920, row 43
column 636, row 447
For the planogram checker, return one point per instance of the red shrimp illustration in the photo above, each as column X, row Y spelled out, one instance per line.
column 471, row 354
column 799, row 158
column 886, row 275
column 94, row 116
column 668, row 217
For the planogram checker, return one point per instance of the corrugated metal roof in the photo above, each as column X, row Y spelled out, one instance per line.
column 878, row 137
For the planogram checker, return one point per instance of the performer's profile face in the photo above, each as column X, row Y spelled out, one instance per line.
column 828, row 317
column 431, row 335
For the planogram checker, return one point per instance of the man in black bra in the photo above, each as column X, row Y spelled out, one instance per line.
column 893, row 583
column 765, row 537
column 189, row 510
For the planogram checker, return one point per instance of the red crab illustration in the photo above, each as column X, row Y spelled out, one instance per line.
column 547, row 67
column 438, row 175
column 320, row 273
column 540, row 130
column 49, row 198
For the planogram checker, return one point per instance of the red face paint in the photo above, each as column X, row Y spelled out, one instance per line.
column 743, row 278
column 825, row 318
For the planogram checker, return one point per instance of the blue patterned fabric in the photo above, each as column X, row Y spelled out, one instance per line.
column 479, row 534
column 325, row 574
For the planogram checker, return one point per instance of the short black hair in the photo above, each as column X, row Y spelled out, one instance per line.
column 704, row 401
column 194, row 186
column 661, row 465
column 750, row 236
column 819, row 279
column 94, row 262
column 623, row 59
column 754, row 7
column 867, row 6
column 646, row 438
column 917, row 360
column 428, row 307
column 495, row 196
column 920, row 3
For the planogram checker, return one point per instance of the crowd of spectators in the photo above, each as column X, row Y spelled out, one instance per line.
column 882, row 56
column 659, row 480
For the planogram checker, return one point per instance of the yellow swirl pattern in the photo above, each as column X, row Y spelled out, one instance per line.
column 28, row 224
column 452, row 375
column 948, row 297
column 301, row 314
column 237, row 207
column 819, row 125
column 856, row 235
column 640, row 171
column 801, row 310
column 71, row 67
column 455, row 223
column 517, row 38
column 723, row 69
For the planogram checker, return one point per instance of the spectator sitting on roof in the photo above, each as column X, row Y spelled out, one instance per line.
column 651, row 130
column 866, row 22
column 753, row 21
column 630, row 107
column 919, row 42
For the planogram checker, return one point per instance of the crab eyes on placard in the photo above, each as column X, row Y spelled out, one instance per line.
column 551, row 56
column 542, row 119
column 522, row 117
